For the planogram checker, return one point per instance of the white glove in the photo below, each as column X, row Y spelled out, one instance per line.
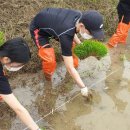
column 84, row 91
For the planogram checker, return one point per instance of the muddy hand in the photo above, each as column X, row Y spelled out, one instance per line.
column 89, row 98
column 86, row 93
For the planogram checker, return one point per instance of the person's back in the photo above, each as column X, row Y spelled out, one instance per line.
column 56, row 21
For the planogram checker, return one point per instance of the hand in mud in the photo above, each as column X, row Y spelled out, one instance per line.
column 86, row 93
column 89, row 97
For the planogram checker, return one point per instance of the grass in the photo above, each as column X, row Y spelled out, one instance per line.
column 2, row 40
column 91, row 48
column 43, row 129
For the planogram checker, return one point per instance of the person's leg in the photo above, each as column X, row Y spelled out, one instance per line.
column 121, row 34
column 48, row 61
column 123, row 27
column 75, row 58
column 23, row 114
column 46, row 53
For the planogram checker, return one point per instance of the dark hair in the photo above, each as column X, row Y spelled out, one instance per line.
column 16, row 49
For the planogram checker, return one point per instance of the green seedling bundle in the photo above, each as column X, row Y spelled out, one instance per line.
column 91, row 48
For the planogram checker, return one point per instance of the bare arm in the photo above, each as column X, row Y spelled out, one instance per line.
column 76, row 39
column 20, row 111
column 68, row 60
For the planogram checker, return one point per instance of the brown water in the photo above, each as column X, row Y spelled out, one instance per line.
column 110, row 108
column 109, row 80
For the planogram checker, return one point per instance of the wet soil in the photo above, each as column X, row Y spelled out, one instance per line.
column 58, row 105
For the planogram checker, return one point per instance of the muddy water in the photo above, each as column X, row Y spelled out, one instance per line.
column 110, row 107
column 109, row 80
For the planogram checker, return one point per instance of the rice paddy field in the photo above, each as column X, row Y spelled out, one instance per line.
column 58, row 105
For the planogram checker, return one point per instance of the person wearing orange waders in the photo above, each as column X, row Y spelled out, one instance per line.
column 123, row 27
column 14, row 54
column 63, row 25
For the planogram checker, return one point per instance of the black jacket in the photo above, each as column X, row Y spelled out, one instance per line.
column 56, row 23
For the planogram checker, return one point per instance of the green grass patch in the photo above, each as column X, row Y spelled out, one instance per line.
column 43, row 129
column 91, row 48
column 2, row 40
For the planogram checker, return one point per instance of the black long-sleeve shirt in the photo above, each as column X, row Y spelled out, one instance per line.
column 55, row 23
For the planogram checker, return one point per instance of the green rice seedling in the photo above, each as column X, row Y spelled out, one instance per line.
column 91, row 48
column 42, row 128
column 1, row 38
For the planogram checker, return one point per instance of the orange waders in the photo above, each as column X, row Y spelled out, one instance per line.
column 121, row 34
column 47, row 56
column 75, row 58
column 48, row 61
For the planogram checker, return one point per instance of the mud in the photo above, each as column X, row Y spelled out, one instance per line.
column 58, row 105
column 110, row 96
column 109, row 109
